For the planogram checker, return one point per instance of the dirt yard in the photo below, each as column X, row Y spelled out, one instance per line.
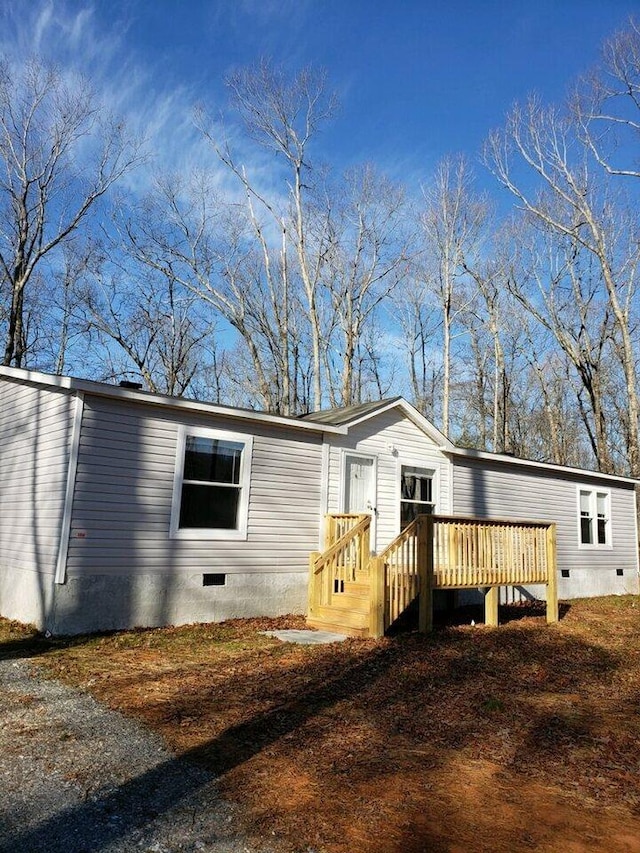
column 525, row 737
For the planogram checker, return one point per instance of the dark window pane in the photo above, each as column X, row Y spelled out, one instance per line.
column 409, row 511
column 424, row 493
column 409, row 483
column 602, row 531
column 585, row 531
column 415, row 488
column 209, row 507
column 211, row 460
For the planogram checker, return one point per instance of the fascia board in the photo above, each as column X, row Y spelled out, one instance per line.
column 100, row 389
column 547, row 466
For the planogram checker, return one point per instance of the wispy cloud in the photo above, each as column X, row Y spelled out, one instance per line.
column 155, row 100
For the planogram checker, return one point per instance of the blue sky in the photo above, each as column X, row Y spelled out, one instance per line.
column 417, row 80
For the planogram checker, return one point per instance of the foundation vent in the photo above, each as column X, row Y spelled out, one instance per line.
column 214, row 580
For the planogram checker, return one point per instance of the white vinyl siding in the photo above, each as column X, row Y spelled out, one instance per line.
column 124, row 488
column 395, row 441
column 492, row 489
column 35, row 437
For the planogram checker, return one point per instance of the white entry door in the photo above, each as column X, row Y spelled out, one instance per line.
column 360, row 487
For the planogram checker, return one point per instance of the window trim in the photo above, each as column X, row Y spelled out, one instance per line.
column 213, row 533
column 593, row 492
column 433, row 471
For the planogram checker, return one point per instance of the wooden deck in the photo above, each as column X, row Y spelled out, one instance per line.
column 360, row 593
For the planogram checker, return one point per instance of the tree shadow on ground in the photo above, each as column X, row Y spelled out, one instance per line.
column 391, row 689
column 31, row 643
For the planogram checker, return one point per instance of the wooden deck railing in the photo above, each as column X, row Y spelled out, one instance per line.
column 344, row 560
column 434, row 552
column 400, row 565
column 469, row 552
column 453, row 552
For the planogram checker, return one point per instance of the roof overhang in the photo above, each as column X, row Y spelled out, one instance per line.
column 529, row 463
column 103, row 389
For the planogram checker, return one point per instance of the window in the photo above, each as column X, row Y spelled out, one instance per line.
column 416, row 494
column 211, row 485
column 595, row 522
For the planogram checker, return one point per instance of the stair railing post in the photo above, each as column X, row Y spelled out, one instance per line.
column 377, row 589
column 329, row 523
column 552, row 575
column 313, row 591
column 365, row 548
column 424, row 529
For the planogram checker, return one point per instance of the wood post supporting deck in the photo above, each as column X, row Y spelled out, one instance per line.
column 491, row 601
column 552, row 582
column 377, row 597
column 425, row 573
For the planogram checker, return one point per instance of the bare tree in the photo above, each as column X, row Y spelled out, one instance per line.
column 63, row 324
column 579, row 208
column 419, row 325
column 218, row 251
column 59, row 155
column 154, row 321
column 492, row 309
column 453, row 221
column 157, row 331
column 369, row 257
column 559, row 285
column 606, row 104
column 283, row 114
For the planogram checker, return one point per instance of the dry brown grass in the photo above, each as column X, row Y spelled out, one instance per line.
column 524, row 737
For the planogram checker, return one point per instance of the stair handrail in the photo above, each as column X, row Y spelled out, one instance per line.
column 320, row 588
column 339, row 544
column 337, row 524
column 395, row 577
column 409, row 530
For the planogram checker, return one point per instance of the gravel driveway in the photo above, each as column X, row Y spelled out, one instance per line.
column 76, row 777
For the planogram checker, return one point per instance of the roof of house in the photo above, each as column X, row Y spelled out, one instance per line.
column 508, row 459
column 346, row 414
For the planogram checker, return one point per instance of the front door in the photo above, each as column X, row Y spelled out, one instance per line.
column 360, row 488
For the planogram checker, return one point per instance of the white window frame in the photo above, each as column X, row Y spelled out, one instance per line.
column 433, row 472
column 240, row 533
column 593, row 492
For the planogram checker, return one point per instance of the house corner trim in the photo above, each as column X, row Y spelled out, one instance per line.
column 65, row 527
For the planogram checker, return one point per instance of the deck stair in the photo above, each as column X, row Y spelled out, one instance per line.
column 347, row 611
column 339, row 587
column 353, row 591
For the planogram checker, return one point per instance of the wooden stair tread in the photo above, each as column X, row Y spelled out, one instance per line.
column 350, row 601
column 342, row 616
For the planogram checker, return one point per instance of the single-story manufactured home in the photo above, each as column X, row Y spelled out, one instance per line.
column 123, row 508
